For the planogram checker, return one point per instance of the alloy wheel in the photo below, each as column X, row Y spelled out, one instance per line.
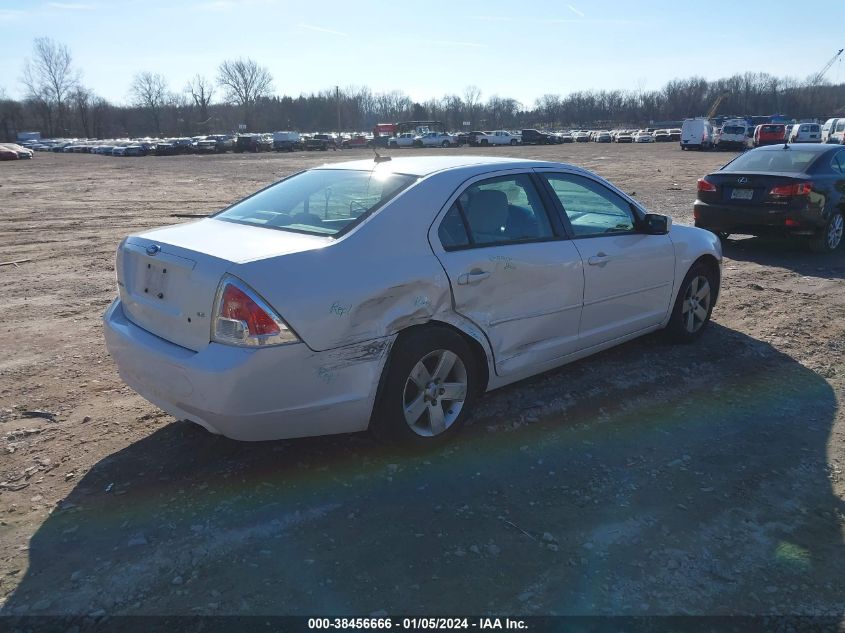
column 834, row 231
column 696, row 304
column 434, row 393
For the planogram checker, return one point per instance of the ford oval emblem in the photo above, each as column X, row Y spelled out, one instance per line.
column 152, row 249
column 743, row 180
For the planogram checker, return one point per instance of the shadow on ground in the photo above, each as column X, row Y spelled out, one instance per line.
column 649, row 479
column 792, row 254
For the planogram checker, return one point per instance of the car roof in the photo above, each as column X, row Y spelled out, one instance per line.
column 425, row 165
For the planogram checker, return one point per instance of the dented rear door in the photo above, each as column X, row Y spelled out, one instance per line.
column 524, row 291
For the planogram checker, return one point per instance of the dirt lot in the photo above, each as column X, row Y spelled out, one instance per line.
column 649, row 479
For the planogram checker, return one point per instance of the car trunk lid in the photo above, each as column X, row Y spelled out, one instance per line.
column 750, row 188
column 168, row 278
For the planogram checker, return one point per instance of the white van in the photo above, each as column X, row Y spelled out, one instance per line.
column 828, row 127
column 837, row 134
column 805, row 133
column 696, row 134
column 734, row 135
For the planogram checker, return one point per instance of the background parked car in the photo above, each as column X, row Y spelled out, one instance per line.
column 7, row 154
column 406, row 139
column 827, row 129
column 795, row 190
column 696, row 134
column 602, row 136
column 358, row 140
column 498, row 137
column 536, row 137
column 642, row 136
column 320, row 142
column 805, row 133
column 286, row 141
column 661, row 136
column 769, row 133
column 837, row 134
column 22, row 152
column 734, row 135
column 436, row 139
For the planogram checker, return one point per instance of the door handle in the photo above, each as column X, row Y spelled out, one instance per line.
column 599, row 259
column 473, row 277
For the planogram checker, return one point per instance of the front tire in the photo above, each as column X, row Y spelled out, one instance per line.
column 445, row 144
column 694, row 305
column 513, row 141
column 429, row 387
column 830, row 237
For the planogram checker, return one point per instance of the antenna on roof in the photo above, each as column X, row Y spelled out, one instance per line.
column 379, row 158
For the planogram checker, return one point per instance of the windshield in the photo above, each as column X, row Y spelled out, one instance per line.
column 320, row 201
column 781, row 160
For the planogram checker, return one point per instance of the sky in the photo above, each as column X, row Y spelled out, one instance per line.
column 426, row 49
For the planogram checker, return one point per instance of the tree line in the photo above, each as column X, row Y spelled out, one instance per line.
column 58, row 104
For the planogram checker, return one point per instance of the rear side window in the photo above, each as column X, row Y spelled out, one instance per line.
column 500, row 210
column 320, row 201
column 838, row 162
column 840, row 127
column 782, row 160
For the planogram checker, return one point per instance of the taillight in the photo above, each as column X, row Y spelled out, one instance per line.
column 241, row 317
column 705, row 185
column 787, row 191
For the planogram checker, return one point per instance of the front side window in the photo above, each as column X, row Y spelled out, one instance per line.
column 592, row 208
column 500, row 210
column 319, row 202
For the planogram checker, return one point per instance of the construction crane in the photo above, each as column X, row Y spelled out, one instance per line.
column 817, row 78
column 712, row 111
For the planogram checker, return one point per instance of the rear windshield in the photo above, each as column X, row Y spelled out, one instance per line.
column 733, row 129
column 319, row 202
column 781, row 160
column 772, row 128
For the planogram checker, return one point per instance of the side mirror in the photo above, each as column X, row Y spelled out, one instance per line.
column 655, row 224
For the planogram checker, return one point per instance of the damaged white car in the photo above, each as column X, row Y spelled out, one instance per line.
column 390, row 294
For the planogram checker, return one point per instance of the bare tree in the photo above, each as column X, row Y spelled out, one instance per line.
column 149, row 92
column 245, row 82
column 202, row 91
column 50, row 78
column 472, row 101
column 82, row 99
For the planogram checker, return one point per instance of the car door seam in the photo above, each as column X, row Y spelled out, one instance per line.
column 626, row 294
column 534, row 315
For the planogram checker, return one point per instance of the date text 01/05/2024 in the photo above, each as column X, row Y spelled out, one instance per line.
column 417, row 623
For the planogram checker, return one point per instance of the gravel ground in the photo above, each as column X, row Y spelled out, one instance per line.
column 649, row 479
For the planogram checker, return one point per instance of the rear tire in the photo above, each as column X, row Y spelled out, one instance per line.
column 483, row 141
column 445, row 144
column 830, row 237
column 513, row 141
column 425, row 367
column 693, row 305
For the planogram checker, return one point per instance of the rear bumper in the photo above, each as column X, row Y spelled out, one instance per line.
column 250, row 394
column 753, row 220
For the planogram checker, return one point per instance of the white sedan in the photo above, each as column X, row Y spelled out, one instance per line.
column 643, row 136
column 391, row 294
